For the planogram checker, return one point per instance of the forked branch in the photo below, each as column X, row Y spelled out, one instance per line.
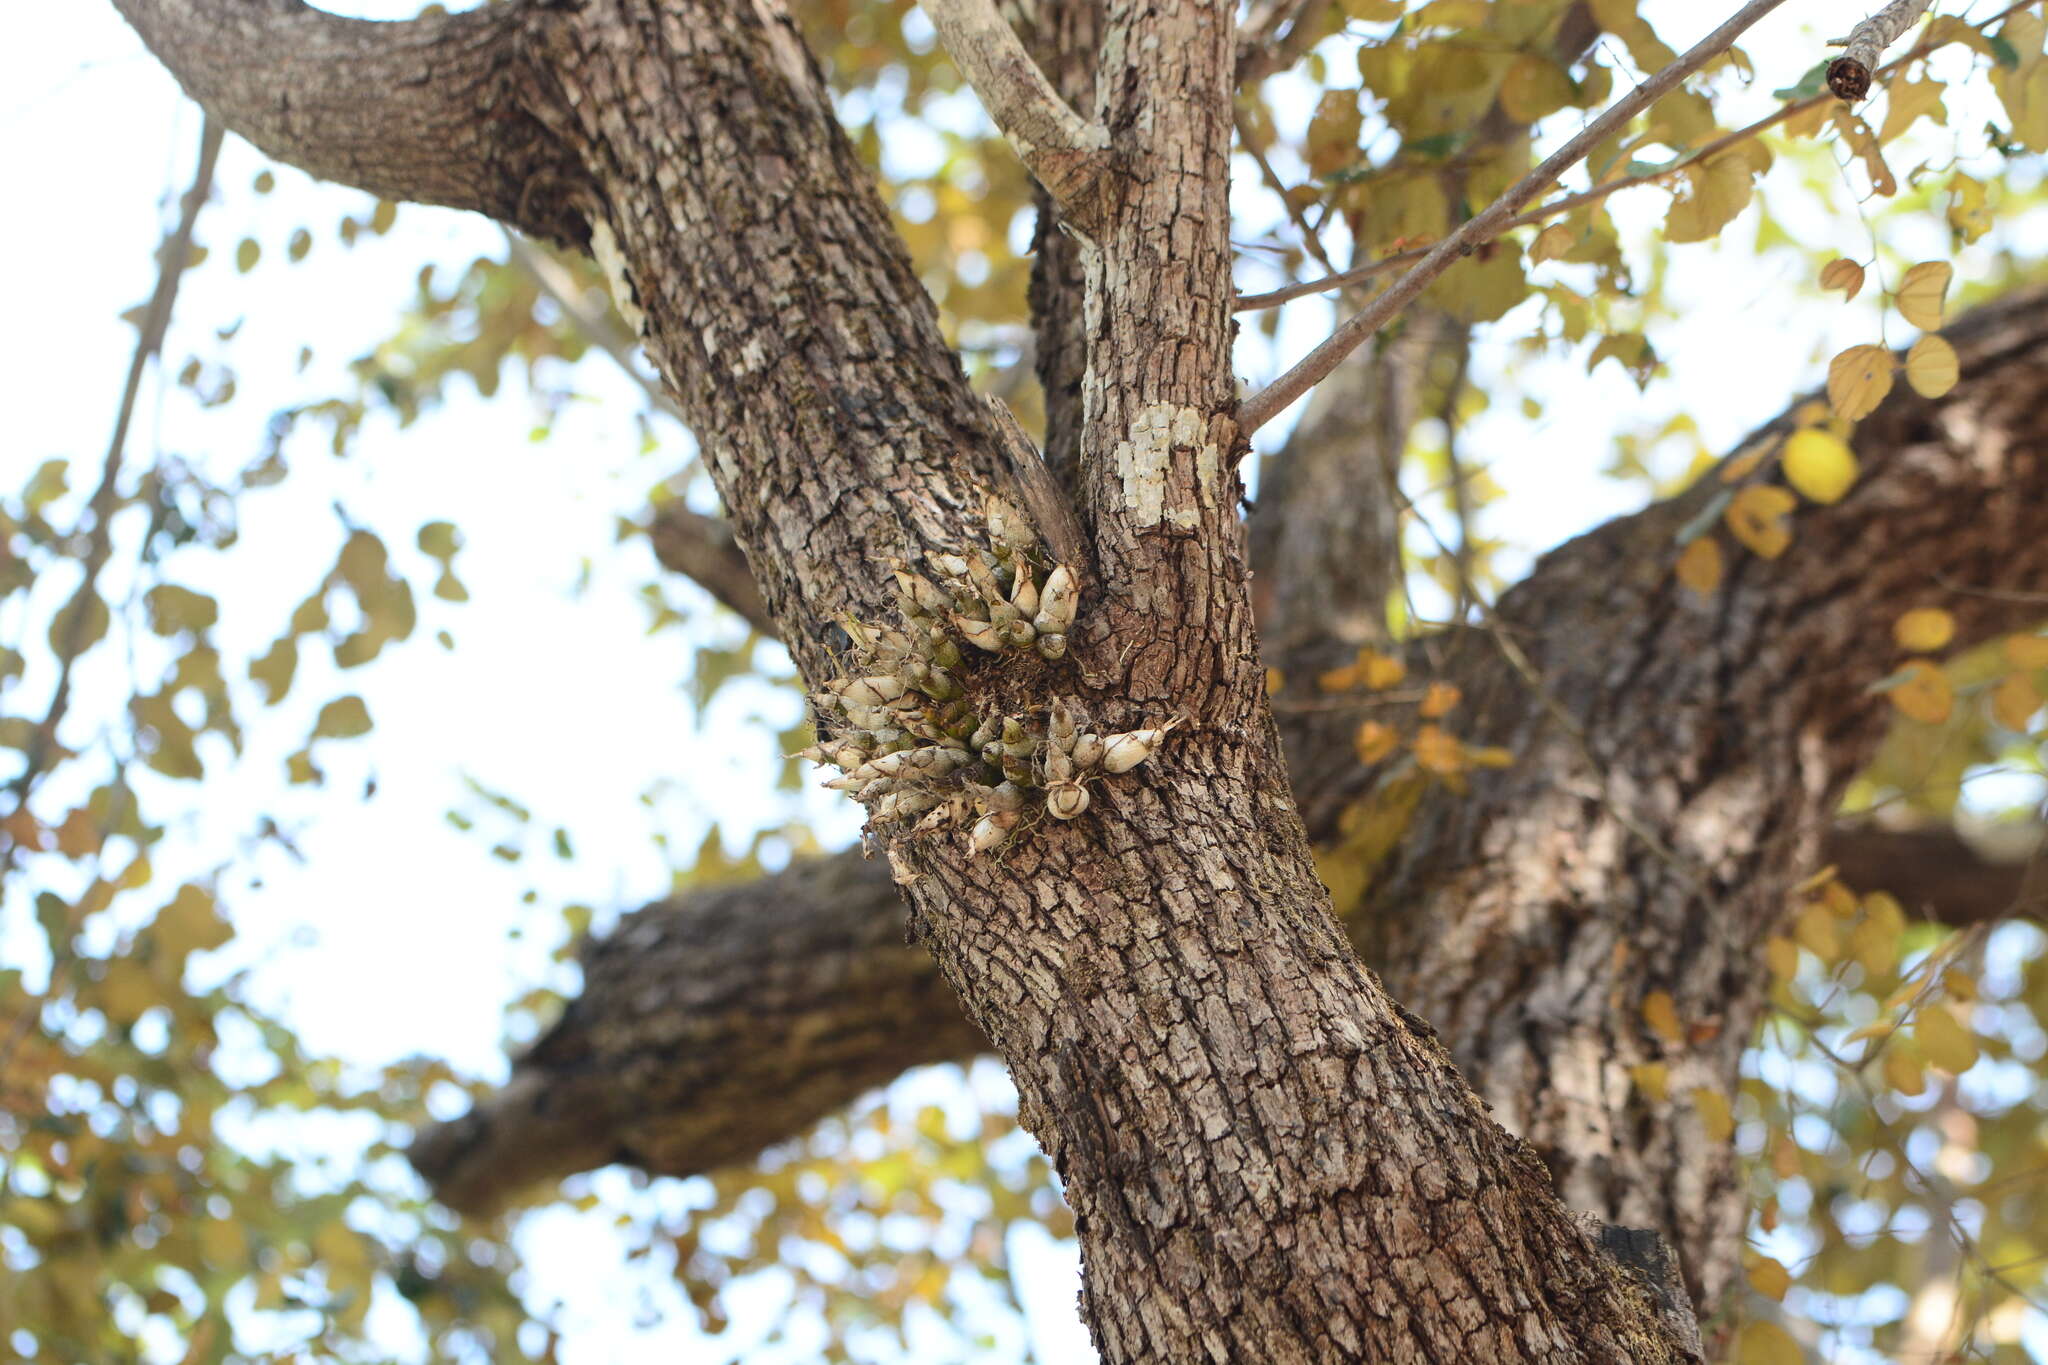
column 1063, row 150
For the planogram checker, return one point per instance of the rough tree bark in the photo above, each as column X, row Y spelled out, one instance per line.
column 663, row 1116
column 1267, row 1157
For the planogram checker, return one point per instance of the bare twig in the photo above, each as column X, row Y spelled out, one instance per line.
column 1849, row 74
column 594, row 325
column 698, row 547
column 1492, row 222
column 1065, row 151
column 1311, row 240
column 1263, row 49
column 156, row 320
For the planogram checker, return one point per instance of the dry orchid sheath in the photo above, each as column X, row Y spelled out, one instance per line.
column 1849, row 74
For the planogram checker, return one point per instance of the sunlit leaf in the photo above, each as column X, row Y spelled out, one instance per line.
column 1858, row 380
column 1921, row 291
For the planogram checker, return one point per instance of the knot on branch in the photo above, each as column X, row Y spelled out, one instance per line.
column 1848, row 78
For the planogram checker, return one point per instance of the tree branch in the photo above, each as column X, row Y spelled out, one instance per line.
column 1263, row 49
column 709, row 1027
column 1566, row 203
column 1475, row 232
column 1849, row 74
column 417, row 110
column 70, row 630
column 1065, row 151
column 1936, row 873
column 702, row 549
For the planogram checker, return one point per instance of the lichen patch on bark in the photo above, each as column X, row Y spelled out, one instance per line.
column 1145, row 462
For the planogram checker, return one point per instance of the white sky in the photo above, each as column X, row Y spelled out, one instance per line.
column 392, row 938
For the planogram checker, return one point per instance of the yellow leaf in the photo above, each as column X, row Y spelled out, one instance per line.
column 1378, row 671
column 1874, row 941
column 1551, row 243
column 1438, row 752
column 1490, row 756
column 1653, row 1079
column 1858, row 380
column 1700, row 566
column 1947, row 1043
column 2026, row 651
column 1825, row 877
column 1839, row 900
column 1660, row 1012
column 1769, row 1278
column 1906, row 101
column 1844, row 275
column 1275, row 680
column 1931, row 367
column 1338, row 679
column 1534, row 88
column 1783, row 956
column 1923, row 630
column 1766, row 1343
column 1757, row 519
column 1815, row 930
column 1921, row 291
column 1439, row 700
column 1717, row 190
column 1904, row 1072
column 2014, row 702
column 1819, row 464
column 1715, row 1115
column 1375, row 741
column 1923, row 693
column 1968, row 215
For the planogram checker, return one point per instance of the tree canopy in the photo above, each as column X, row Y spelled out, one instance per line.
column 186, row 695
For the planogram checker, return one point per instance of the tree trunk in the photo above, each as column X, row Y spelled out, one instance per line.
column 1990, row 473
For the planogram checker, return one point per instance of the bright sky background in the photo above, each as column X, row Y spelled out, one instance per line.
column 396, row 935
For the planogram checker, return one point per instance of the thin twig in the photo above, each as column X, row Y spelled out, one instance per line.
column 1475, row 232
column 1311, row 239
column 156, row 320
column 594, row 325
column 1260, row 53
column 1461, row 493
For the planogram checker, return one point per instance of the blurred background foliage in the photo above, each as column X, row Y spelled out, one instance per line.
column 186, row 1180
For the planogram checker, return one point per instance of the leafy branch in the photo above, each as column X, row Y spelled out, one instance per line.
column 1544, row 212
column 1496, row 219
